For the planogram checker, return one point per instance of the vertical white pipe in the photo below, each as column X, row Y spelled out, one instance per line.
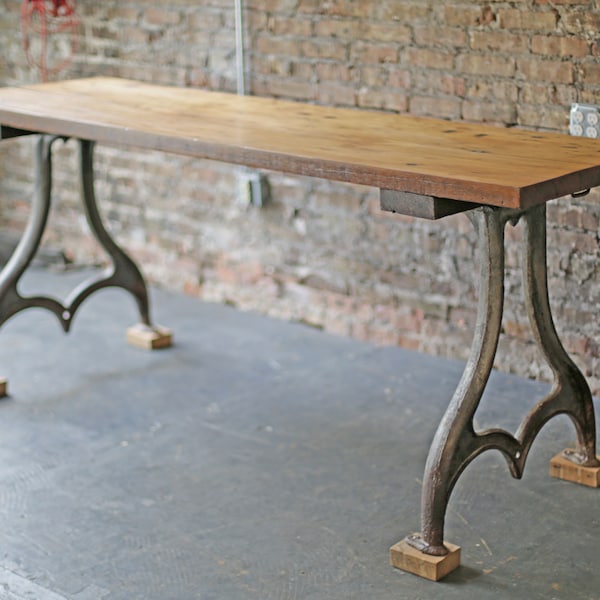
column 253, row 186
column 239, row 48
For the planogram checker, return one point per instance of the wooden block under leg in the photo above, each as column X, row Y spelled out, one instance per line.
column 563, row 468
column 3, row 387
column 403, row 556
column 149, row 338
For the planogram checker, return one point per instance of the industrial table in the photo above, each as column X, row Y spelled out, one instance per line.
column 423, row 167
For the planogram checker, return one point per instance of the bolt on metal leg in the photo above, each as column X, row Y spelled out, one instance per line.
column 456, row 443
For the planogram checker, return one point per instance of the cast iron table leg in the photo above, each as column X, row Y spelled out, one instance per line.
column 123, row 273
column 456, row 443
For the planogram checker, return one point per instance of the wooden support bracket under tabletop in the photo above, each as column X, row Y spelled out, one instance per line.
column 418, row 205
column 12, row 132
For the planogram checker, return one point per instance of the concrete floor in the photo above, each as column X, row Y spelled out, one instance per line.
column 257, row 459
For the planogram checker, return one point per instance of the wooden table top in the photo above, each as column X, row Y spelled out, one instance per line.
column 455, row 160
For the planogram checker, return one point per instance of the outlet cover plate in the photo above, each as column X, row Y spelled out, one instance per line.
column 584, row 120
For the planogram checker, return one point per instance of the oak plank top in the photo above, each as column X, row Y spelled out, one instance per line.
column 455, row 160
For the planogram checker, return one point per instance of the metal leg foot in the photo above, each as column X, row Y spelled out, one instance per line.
column 124, row 273
column 456, row 443
column 149, row 338
column 405, row 556
column 566, row 465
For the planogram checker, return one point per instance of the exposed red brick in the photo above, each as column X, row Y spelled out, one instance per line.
column 559, row 46
column 321, row 48
column 330, row 71
column 536, row 69
column 289, row 88
column 517, row 18
column 286, row 46
column 289, row 26
column 501, row 92
column 545, row 116
column 564, row 2
column 428, row 35
column 462, row 14
column 340, row 28
column 590, row 73
column 386, row 99
column 501, row 41
column 582, row 23
column 438, row 107
column 159, row 16
column 426, row 58
column 366, row 52
column 401, row 11
column 385, row 32
column 434, row 83
column 335, row 93
column 489, row 111
column 486, row 64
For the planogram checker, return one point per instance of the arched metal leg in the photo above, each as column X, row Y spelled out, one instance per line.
column 123, row 273
column 456, row 443
column 571, row 394
column 11, row 301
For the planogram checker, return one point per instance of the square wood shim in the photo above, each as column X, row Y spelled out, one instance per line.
column 403, row 556
column 562, row 468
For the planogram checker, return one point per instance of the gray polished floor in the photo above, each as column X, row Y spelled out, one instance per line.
column 257, row 460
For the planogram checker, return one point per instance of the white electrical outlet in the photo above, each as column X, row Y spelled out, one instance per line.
column 585, row 120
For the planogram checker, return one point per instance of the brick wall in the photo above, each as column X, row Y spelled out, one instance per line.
column 323, row 253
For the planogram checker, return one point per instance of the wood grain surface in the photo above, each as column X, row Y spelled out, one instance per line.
column 455, row 160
